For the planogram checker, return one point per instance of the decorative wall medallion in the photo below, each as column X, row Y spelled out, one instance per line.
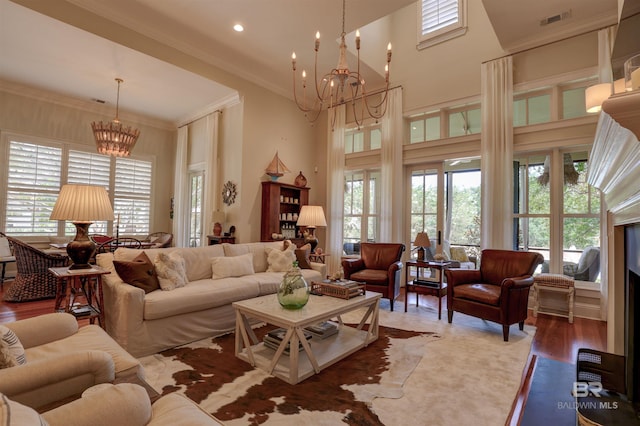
column 229, row 193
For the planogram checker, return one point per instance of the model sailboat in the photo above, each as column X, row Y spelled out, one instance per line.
column 276, row 168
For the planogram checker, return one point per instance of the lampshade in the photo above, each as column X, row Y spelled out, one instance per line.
column 218, row 217
column 595, row 95
column 311, row 216
column 82, row 203
column 422, row 240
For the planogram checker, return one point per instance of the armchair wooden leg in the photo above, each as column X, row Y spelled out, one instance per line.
column 521, row 325
column 391, row 300
column 450, row 315
column 505, row 333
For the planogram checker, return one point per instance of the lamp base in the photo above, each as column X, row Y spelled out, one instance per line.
column 81, row 249
column 421, row 254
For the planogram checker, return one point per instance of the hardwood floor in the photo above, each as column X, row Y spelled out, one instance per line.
column 555, row 338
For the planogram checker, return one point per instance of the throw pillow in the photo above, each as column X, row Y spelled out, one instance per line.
column 458, row 253
column 15, row 414
column 140, row 272
column 302, row 255
column 233, row 266
column 280, row 261
column 12, row 350
column 171, row 270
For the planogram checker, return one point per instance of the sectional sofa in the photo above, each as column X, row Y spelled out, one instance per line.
column 147, row 323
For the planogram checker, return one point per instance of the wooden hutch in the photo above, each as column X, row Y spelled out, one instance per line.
column 281, row 204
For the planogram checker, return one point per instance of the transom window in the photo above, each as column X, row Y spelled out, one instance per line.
column 440, row 20
column 363, row 139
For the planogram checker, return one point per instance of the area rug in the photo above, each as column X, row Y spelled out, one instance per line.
column 419, row 371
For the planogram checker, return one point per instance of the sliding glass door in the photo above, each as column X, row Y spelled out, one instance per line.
column 426, row 203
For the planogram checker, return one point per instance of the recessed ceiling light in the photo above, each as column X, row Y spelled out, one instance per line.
column 238, row 27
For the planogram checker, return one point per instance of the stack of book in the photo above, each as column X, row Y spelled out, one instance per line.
column 354, row 287
column 274, row 338
column 322, row 330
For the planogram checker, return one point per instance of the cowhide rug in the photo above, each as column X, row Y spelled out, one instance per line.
column 419, row 371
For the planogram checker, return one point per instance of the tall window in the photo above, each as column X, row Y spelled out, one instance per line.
column 132, row 196
column 580, row 220
column 93, row 169
column 196, row 188
column 440, row 20
column 33, row 184
column 532, row 223
column 37, row 171
column 463, row 209
column 577, row 214
column 424, row 203
column 361, row 209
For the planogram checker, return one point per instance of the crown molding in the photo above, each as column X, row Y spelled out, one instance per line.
column 38, row 94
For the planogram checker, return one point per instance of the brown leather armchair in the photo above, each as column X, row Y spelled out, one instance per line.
column 379, row 267
column 498, row 291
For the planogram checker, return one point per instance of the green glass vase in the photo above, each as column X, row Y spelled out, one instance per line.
column 293, row 291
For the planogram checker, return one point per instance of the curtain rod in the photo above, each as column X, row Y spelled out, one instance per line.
column 548, row 44
column 375, row 92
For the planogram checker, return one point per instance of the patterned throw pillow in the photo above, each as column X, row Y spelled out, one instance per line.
column 171, row 270
column 11, row 350
column 139, row 273
column 280, row 260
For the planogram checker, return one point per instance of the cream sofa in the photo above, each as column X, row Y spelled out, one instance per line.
column 145, row 324
column 106, row 405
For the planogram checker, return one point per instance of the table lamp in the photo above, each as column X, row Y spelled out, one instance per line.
column 311, row 217
column 218, row 219
column 82, row 205
column 422, row 241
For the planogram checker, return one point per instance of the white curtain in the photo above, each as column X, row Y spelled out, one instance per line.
column 391, row 173
column 181, row 190
column 606, row 38
column 497, row 154
column 212, row 188
column 335, row 188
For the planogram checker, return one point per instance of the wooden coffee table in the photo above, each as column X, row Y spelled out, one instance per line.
column 316, row 354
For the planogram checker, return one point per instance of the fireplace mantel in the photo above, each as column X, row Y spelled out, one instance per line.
column 614, row 164
column 614, row 168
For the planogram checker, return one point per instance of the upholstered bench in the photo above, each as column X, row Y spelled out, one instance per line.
column 553, row 283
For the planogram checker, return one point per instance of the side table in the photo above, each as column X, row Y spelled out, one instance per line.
column 314, row 257
column 436, row 288
column 72, row 283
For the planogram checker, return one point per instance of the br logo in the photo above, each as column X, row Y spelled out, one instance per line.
column 583, row 389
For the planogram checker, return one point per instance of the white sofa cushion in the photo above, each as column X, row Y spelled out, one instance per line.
column 198, row 296
column 234, row 266
column 257, row 249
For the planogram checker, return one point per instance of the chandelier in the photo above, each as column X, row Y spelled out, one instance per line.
column 341, row 85
column 112, row 138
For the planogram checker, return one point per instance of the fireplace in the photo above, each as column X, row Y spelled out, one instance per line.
column 632, row 313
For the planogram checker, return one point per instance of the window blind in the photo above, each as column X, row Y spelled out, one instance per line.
column 132, row 196
column 33, row 184
column 437, row 14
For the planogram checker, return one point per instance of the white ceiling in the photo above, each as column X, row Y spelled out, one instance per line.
column 39, row 51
